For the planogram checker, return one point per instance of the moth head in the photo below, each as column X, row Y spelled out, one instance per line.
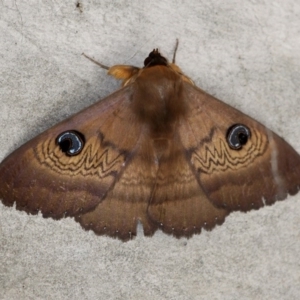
column 129, row 73
column 155, row 59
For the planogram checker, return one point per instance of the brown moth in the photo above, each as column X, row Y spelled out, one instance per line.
column 159, row 151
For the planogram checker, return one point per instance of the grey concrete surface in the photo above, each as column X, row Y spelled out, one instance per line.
column 246, row 53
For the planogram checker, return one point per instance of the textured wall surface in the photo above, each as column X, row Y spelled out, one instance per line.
column 246, row 53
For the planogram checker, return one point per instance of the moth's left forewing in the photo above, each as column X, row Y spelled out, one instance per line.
column 263, row 170
column 39, row 176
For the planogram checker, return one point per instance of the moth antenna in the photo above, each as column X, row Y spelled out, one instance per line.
column 96, row 62
column 175, row 50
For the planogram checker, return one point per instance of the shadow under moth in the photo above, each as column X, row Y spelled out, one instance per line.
column 158, row 151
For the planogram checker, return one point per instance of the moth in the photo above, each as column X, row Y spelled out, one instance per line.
column 159, row 151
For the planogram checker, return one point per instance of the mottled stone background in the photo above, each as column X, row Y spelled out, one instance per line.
column 244, row 52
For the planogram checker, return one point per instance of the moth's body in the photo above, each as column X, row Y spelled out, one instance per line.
column 157, row 103
column 159, row 151
column 160, row 105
